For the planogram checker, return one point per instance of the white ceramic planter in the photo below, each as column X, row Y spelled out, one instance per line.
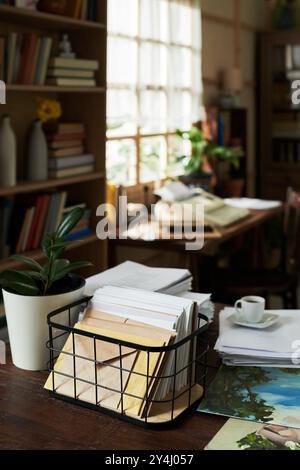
column 27, row 325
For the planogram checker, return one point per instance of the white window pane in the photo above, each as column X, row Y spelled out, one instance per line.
column 180, row 110
column 153, row 64
column 121, row 161
column 180, row 62
column 153, row 159
column 122, row 61
column 180, row 22
column 121, row 113
column 196, row 26
column 154, row 19
column 123, row 17
column 153, row 112
column 197, row 84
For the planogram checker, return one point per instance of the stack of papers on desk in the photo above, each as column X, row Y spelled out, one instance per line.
column 250, row 203
column 129, row 274
column 272, row 347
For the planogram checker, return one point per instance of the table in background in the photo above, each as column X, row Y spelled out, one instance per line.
column 212, row 245
column 31, row 419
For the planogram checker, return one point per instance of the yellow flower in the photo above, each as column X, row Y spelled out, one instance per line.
column 48, row 109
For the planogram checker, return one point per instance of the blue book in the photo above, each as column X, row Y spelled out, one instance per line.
column 81, row 234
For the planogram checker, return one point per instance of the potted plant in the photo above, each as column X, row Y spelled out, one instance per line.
column 199, row 164
column 29, row 295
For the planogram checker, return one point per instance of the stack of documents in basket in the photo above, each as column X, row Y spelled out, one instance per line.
column 276, row 346
column 121, row 377
column 177, row 315
column 129, row 274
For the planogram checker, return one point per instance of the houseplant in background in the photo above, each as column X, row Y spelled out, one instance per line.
column 31, row 294
column 200, row 162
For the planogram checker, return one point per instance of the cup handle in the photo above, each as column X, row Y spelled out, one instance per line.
column 238, row 308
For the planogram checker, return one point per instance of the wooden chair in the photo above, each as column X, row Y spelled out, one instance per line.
column 282, row 281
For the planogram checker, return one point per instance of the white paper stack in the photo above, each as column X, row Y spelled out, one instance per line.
column 158, row 310
column 277, row 346
column 129, row 274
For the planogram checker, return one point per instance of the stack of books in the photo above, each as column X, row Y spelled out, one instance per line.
column 67, row 156
column 24, row 58
column 72, row 72
column 24, row 223
column 270, row 347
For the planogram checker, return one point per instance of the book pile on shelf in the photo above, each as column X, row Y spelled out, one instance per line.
column 24, row 223
column 24, row 58
column 149, row 319
column 271, row 347
column 77, row 9
column 67, row 156
column 72, row 72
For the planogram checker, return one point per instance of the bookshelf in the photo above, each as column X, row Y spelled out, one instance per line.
column 81, row 104
column 279, row 159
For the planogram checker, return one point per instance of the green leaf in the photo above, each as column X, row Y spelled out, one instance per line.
column 60, row 274
column 69, row 222
column 19, row 281
column 27, row 261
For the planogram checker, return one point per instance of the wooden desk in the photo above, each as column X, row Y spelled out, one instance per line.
column 211, row 245
column 30, row 419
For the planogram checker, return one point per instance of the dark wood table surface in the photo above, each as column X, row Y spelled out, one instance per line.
column 31, row 420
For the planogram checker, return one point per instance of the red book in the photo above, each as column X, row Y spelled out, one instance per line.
column 41, row 222
column 29, row 43
column 34, row 224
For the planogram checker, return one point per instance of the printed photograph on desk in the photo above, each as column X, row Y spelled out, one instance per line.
column 244, row 435
column 265, row 395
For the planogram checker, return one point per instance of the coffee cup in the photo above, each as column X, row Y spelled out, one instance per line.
column 250, row 309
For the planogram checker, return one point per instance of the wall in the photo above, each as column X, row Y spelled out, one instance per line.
column 229, row 39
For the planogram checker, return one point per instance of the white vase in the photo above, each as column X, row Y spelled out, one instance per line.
column 8, row 154
column 27, row 325
column 37, row 164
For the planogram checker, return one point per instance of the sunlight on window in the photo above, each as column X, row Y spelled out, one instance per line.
column 154, row 85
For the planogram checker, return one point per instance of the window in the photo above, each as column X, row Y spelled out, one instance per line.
column 154, row 85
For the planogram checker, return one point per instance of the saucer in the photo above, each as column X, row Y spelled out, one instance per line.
column 267, row 321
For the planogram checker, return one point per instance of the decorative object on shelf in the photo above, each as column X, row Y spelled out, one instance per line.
column 65, row 48
column 204, row 154
column 232, row 86
column 37, row 164
column 56, row 7
column 48, row 110
column 30, row 295
column 284, row 14
column 8, row 153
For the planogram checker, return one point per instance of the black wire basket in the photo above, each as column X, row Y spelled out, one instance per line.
column 91, row 390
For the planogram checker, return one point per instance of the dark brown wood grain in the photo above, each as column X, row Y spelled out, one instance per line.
column 31, row 419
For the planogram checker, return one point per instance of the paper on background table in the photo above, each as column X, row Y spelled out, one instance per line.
column 249, row 203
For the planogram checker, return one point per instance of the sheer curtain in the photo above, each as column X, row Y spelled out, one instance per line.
column 154, row 81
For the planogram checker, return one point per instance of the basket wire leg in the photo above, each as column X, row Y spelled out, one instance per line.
column 174, row 385
column 147, row 387
column 51, row 357
column 121, row 379
column 96, row 375
column 192, row 371
column 74, row 365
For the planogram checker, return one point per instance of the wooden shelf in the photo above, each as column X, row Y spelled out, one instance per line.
column 33, row 186
column 39, row 20
column 54, row 89
column 39, row 255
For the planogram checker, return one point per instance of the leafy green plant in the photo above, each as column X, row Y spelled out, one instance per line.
column 39, row 279
column 201, row 150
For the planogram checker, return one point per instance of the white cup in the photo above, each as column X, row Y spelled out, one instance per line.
column 250, row 309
